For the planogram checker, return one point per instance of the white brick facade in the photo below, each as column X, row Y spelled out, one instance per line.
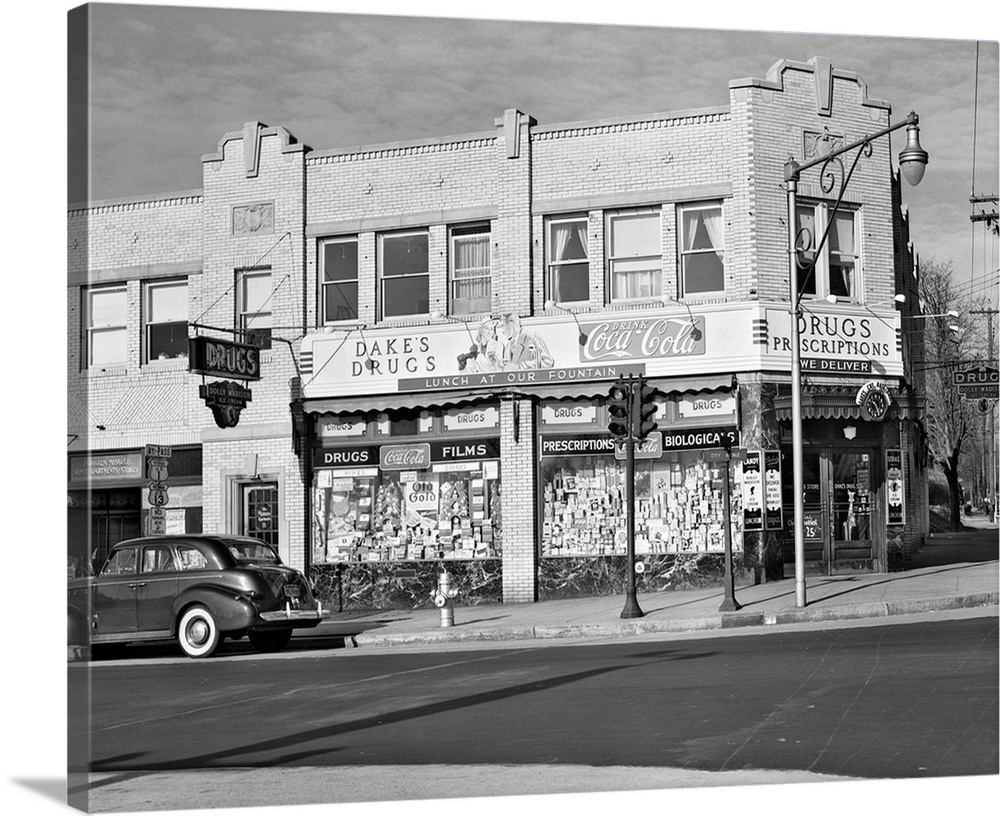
column 267, row 201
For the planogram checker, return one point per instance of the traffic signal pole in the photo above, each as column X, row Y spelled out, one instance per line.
column 631, row 608
column 630, row 410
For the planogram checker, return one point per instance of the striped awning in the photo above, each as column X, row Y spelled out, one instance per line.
column 426, row 400
column 839, row 403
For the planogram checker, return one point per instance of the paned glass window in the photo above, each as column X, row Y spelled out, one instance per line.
column 634, row 256
column 405, row 275
column 166, row 320
column 834, row 270
column 106, row 333
column 339, row 279
column 471, row 289
column 568, row 260
column 702, row 249
column 254, row 304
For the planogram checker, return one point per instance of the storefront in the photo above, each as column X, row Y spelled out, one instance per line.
column 109, row 499
column 498, row 460
column 857, row 481
column 679, row 486
column 395, row 496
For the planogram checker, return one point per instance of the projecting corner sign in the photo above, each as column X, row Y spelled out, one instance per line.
column 874, row 400
column 223, row 358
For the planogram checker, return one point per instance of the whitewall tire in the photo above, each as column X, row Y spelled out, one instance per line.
column 197, row 632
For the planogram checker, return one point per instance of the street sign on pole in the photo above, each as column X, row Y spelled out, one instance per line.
column 977, row 383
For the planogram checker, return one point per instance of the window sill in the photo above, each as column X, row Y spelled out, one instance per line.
column 107, row 371
column 577, row 307
column 701, row 297
column 168, row 363
column 638, row 303
column 403, row 321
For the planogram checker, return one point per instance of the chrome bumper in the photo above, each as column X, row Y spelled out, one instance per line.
column 288, row 614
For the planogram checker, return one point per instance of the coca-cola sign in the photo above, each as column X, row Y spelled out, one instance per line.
column 405, row 457
column 658, row 337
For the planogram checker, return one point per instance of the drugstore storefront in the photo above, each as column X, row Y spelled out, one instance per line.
column 498, row 460
column 680, row 520
column 397, row 493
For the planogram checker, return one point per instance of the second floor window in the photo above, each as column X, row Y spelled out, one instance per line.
column 634, row 257
column 105, row 322
column 339, row 276
column 405, row 275
column 166, row 310
column 568, row 260
column 254, row 306
column 702, row 249
column 834, row 270
column 471, row 291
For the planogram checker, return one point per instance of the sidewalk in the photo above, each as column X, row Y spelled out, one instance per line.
column 957, row 576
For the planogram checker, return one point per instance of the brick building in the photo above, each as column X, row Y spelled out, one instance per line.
column 439, row 323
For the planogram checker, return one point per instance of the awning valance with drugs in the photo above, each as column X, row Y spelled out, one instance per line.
column 840, row 402
column 434, row 400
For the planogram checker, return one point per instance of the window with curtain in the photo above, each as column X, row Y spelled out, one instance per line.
column 834, row 269
column 702, row 249
column 166, row 310
column 405, row 276
column 471, row 285
column 843, row 259
column 568, row 260
column 339, row 279
column 254, row 300
column 635, row 263
column 106, row 332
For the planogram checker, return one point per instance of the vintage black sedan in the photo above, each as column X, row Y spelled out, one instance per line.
column 196, row 588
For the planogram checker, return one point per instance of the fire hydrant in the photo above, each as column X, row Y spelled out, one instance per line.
column 444, row 598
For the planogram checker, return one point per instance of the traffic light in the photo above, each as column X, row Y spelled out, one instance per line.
column 645, row 408
column 619, row 404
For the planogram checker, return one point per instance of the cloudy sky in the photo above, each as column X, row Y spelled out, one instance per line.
column 169, row 81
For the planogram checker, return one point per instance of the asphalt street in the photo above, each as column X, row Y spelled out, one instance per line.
column 875, row 702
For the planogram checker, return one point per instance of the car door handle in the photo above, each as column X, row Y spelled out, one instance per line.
column 138, row 584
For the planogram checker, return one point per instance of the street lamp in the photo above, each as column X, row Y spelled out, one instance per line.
column 912, row 161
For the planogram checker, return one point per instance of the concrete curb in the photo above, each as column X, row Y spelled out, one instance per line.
column 645, row 626
column 731, row 620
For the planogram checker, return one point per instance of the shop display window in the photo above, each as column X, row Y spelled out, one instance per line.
column 678, row 505
column 366, row 514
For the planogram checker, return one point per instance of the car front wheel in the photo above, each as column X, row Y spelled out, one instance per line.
column 198, row 633
column 271, row 641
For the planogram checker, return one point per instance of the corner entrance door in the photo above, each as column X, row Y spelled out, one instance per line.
column 837, row 506
column 259, row 511
column 850, row 482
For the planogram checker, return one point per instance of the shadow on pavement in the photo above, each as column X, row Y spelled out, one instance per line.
column 976, row 543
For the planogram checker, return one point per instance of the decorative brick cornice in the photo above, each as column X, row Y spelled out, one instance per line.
column 257, row 131
column 775, row 79
column 182, row 199
column 397, row 149
column 631, row 124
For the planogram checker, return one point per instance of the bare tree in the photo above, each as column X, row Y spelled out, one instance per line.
column 950, row 417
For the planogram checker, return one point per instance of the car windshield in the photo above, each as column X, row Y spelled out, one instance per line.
column 252, row 552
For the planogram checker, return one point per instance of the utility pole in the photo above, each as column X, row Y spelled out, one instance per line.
column 989, row 217
column 992, row 224
column 994, row 445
